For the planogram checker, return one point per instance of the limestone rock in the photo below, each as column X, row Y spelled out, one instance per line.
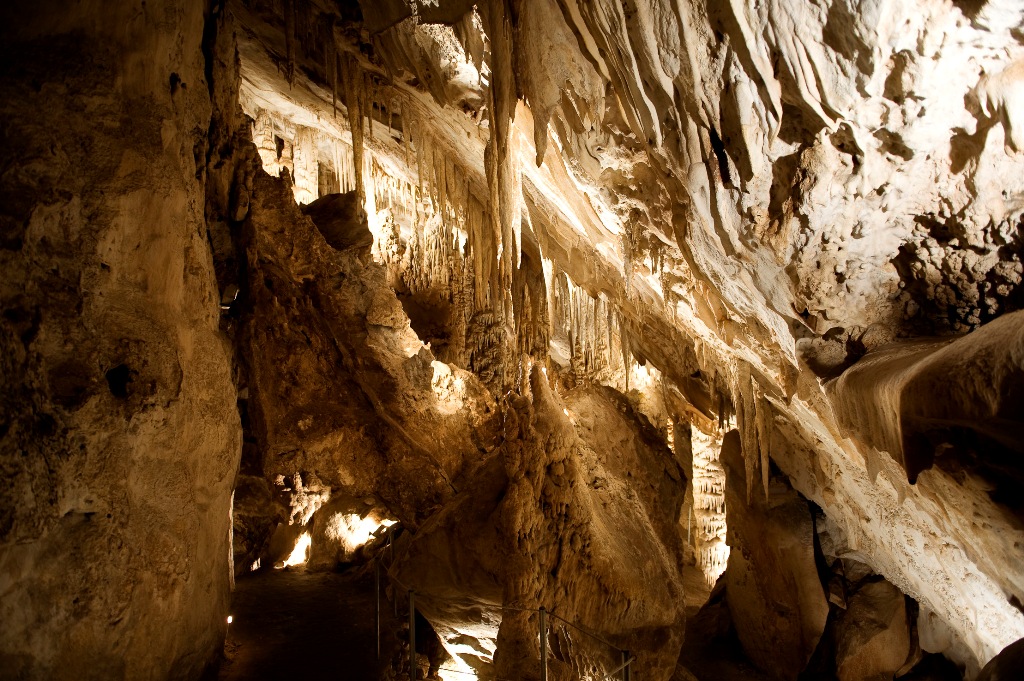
column 895, row 398
column 337, row 375
column 340, row 220
column 873, row 634
column 340, row 530
column 120, row 433
column 709, row 208
column 1008, row 664
column 255, row 514
column 774, row 594
column 588, row 528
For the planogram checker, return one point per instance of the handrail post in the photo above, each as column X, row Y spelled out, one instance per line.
column 376, row 584
column 626, row 662
column 412, row 635
column 543, row 644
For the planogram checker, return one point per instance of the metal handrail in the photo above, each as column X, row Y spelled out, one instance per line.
column 628, row 659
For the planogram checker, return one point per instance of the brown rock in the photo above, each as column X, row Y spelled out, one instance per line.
column 1007, row 665
column 120, row 436
column 873, row 635
column 340, row 220
column 577, row 513
column 774, row 594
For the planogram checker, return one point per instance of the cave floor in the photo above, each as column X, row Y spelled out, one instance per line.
column 294, row 623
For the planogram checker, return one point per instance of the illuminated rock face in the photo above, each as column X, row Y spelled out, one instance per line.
column 718, row 216
column 120, row 435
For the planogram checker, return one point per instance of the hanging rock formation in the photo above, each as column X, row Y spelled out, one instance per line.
column 510, row 273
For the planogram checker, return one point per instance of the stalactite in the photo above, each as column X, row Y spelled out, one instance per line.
column 752, row 425
column 764, row 415
column 709, row 512
column 331, row 56
column 503, row 174
column 406, row 122
column 367, row 103
column 352, row 79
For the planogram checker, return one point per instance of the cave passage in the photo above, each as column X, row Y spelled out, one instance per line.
column 680, row 333
column 293, row 623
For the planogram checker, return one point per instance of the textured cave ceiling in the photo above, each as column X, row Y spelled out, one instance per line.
column 747, row 198
column 578, row 292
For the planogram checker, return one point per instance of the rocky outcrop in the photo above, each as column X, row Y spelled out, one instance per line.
column 120, row 434
column 916, row 401
column 774, row 594
column 746, row 197
column 578, row 512
column 726, row 212
column 1008, row 664
column 340, row 220
column 873, row 634
column 340, row 385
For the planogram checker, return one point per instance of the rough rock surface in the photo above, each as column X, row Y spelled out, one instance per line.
column 772, row 587
column 120, row 436
column 909, row 399
column 1008, row 664
column 873, row 639
column 341, row 388
column 711, row 208
column 745, row 197
column 577, row 512
column 339, row 219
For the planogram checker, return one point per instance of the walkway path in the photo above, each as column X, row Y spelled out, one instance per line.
column 292, row 624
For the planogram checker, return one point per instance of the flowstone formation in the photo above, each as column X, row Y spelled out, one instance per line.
column 715, row 211
column 632, row 311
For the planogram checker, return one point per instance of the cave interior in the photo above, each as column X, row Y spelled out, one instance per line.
column 669, row 340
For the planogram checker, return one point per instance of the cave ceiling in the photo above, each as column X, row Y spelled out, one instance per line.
column 744, row 198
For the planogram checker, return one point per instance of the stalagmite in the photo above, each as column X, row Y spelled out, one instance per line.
column 615, row 257
column 263, row 138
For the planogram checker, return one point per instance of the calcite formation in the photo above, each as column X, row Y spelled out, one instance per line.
column 586, row 296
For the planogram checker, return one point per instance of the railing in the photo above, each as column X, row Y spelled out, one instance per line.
column 623, row 671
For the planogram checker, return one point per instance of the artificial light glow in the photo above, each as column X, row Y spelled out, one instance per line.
column 300, row 554
column 461, row 671
column 352, row 531
column 230, row 619
column 449, row 388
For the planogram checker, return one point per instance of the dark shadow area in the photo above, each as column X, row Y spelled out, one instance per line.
column 970, row 8
column 711, row 650
column 430, row 316
column 294, row 623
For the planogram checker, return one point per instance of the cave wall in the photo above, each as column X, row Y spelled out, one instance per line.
column 745, row 197
column 120, row 435
column 740, row 199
